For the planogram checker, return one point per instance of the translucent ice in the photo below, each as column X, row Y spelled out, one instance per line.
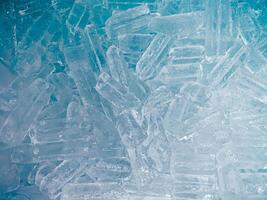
column 115, row 93
column 31, row 102
column 133, row 20
column 150, row 62
column 221, row 25
column 177, row 24
column 133, row 100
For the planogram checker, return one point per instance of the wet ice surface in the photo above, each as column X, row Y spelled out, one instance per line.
column 133, row 100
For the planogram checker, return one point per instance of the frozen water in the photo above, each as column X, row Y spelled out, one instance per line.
column 133, row 100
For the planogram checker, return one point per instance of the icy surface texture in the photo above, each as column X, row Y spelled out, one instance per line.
column 133, row 100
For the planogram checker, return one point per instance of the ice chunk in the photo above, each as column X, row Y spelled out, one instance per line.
column 97, row 58
column 121, row 73
column 184, row 106
column 188, row 42
column 43, row 29
column 53, row 111
column 177, row 24
column 28, row 193
column 118, row 67
column 78, row 16
column 106, row 132
column 102, row 141
column 58, row 132
column 253, row 86
column 41, row 171
column 132, row 46
column 58, row 150
column 60, row 176
column 227, row 65
column 62, row 7
column 150, row 63
column 241, row 173
column 90, row 190
column 177, row 75
column 109, row 170
column 187, row 164
column 158, row 102
column 194, row 174
column 248, row 26
column 82, row 74
column 183, row 55
column 154, row 190
column 142, row 171
column 133, row 99
column 126, row 4
column 255, row 61
column 134, row 43
column 130, row 131
column 30, row 103
column 168, row 7
column 50, row 125
column 29, row 61
column 129, row 21
column 137, row 87
column 115, row 93
column 6, row 76
column 262, row 46
column 187, row 186
column 220, row 26
column 64, row 86
column 191, row 5
column 9, row 174
column 159, row 149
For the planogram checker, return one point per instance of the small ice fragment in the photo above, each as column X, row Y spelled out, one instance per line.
column 120, row 71
column 184, row 106
column 150, row 63
column 178, row 75
column 43, row 28
column 6, row 76
column 113, row 169
column 117, row 65
column 60, row 176
column 181, row 25
column 64, row 86
column 188, row 54
column 29, row 192
column 158, row 102
column 115, row 93
column 126, row 4
column 134, row 43
column 220, row 26
column 253, row 86
column 255, row 61
column 76, row 191
column 82, row 74
column 129, row 21
column 159, row 150
column 130, row 131
column 9, row 174
column 97, row 58
column 227, row 65
column 53, row 151
column 78, row 16
column 248, row 26
column 30, row 103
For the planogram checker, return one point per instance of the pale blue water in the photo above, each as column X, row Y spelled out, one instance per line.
column 133, row 100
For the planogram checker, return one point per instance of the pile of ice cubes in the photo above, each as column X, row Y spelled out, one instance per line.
column 133, row 100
